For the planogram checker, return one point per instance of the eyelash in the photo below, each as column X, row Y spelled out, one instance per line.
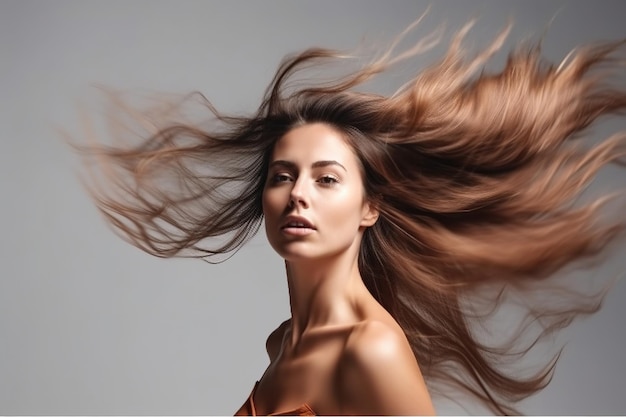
column 325, row 180
column 280, row 177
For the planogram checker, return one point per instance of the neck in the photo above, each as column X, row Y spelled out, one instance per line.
column 324, row 293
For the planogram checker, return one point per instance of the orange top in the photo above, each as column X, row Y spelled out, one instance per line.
column 248, row 408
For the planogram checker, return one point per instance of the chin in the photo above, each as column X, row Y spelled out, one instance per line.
column 296, row 255
column 290, row 253
column 300, row 255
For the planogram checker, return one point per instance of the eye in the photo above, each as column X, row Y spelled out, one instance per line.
column 328, row 180
column 280, row 177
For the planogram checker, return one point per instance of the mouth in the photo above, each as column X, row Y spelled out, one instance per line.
column 297, row 225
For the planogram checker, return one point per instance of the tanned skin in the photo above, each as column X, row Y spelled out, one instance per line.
column 341, row 352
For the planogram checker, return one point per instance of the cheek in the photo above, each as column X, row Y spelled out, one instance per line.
column 270, row 201
column 265, row 203
column 345, row 213
column 268, row 214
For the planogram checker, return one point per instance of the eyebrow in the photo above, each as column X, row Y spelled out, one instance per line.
column 316, row 164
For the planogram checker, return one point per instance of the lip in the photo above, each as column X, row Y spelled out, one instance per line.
column 297, row 225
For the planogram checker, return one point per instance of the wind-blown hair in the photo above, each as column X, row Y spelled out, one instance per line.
column 477, row 176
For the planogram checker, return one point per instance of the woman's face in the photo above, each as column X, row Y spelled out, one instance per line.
column 313, row 201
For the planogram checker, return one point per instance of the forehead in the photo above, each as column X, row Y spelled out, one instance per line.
column 313, row 142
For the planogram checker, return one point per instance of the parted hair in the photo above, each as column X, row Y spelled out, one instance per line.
column 477, row 175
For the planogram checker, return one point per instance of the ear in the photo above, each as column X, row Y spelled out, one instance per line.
column 370, row 215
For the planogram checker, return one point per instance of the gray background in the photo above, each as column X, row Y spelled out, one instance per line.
column 90, row 325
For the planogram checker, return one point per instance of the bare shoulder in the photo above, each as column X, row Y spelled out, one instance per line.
column 378, row 373
column 275, row 339
column 374, row 339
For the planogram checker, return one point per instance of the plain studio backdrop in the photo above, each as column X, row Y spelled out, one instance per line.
column 91, row 325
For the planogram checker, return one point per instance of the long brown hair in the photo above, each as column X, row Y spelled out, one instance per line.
column 477, row 176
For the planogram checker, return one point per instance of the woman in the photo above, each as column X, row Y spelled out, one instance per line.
column 341, row 351
column 394, row 216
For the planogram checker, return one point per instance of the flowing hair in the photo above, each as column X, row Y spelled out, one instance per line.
column 478, row 177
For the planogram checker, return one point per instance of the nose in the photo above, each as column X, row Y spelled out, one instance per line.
column 299, row 196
